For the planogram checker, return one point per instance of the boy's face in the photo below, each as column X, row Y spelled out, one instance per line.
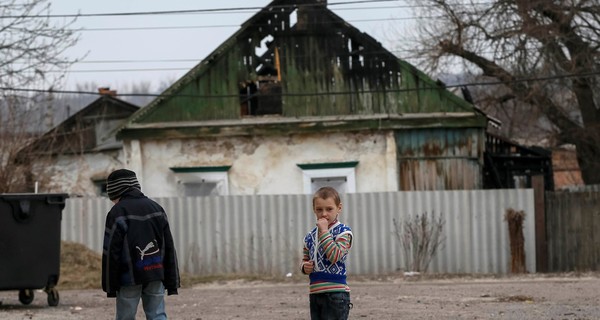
column 326, row 209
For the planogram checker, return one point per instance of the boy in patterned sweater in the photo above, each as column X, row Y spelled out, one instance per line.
column 325, row 251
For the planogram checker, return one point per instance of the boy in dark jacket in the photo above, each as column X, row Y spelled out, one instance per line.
column 139, row 259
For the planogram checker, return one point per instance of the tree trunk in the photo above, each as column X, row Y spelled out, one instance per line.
column 588, row 155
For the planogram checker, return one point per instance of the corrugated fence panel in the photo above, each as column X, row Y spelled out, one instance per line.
column 83, row 221
column 263, row 234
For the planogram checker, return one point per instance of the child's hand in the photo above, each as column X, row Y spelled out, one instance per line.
column 322, row 224
column 308, row 266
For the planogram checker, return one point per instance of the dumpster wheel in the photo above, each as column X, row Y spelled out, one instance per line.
column 53, row 296
column 26, row 296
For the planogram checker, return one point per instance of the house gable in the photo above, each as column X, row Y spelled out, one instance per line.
column 93, row 128
column 297, row 59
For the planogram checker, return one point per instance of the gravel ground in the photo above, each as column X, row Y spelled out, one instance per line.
column 528, row 297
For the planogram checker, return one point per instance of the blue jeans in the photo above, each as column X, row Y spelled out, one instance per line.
column 153, row 301
column 330, row 306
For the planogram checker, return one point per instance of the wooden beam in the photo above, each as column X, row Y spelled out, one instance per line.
column 541, row 244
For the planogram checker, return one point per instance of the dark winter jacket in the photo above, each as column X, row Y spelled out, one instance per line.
column 138, row 245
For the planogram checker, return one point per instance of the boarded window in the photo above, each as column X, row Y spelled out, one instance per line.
column 338, row 183
column 202, row 181
column 201, row 189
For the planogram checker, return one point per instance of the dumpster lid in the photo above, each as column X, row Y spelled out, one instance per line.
column 29, row 194
column 33, row 196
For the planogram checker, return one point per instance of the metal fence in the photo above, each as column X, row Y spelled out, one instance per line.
column 263, row 234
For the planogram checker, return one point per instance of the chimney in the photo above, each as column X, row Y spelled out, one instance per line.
column 309, row 15
column 105, row 91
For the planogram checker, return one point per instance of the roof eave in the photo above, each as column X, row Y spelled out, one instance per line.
column 285, row 126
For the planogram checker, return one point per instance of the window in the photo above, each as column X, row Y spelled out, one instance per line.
column 100, row 185
column 338, row 183
column 339, row 175
column 202, row 181
column 202, row 189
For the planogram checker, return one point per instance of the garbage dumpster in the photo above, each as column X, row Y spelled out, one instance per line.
column 30, row 244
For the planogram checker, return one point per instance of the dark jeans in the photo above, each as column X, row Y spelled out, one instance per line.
column 330, row 306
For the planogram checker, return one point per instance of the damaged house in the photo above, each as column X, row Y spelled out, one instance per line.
column 298, row 98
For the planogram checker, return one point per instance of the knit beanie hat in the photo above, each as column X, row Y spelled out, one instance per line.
column 120, row 181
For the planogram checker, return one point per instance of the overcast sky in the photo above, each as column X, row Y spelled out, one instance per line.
column 185, row 39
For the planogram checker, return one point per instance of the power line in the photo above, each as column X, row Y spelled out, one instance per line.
column 143, row 69
column 363, row 53
column 137, row 61
column 469, row 84
column 197, row 11
column 237, row 26
column 230, row 10
column 120, row 70
column 391, row 59
column 398, row 54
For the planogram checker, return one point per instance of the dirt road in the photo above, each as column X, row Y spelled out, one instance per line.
column 509, row 298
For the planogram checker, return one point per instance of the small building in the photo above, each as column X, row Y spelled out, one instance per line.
column 77, row 155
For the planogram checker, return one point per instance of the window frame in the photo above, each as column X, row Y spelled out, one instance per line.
column 329, row 170
column 216, row 174
column 100, row 187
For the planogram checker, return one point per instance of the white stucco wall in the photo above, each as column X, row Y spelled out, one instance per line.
column 265, row 164
column 73, row 174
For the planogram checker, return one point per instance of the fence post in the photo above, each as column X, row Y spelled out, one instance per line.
column 541, row 244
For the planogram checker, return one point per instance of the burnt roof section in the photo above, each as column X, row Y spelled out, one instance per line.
column 296, row 58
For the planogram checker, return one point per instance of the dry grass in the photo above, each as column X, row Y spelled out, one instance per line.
column 81, row 268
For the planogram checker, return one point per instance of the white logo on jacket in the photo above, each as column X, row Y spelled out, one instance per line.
column 145, row 252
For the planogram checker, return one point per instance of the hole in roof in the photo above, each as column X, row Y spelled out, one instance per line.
column 293, row 18
column 264, row 46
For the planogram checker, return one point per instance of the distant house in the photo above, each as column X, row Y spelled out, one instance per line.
column 509, row 165
column 77, row 155
column 567, row 174
column 296, row 99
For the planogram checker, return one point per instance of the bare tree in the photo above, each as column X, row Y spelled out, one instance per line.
column 543, row 54
column 139, row 91
column 32, row 47
column 420, row 237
